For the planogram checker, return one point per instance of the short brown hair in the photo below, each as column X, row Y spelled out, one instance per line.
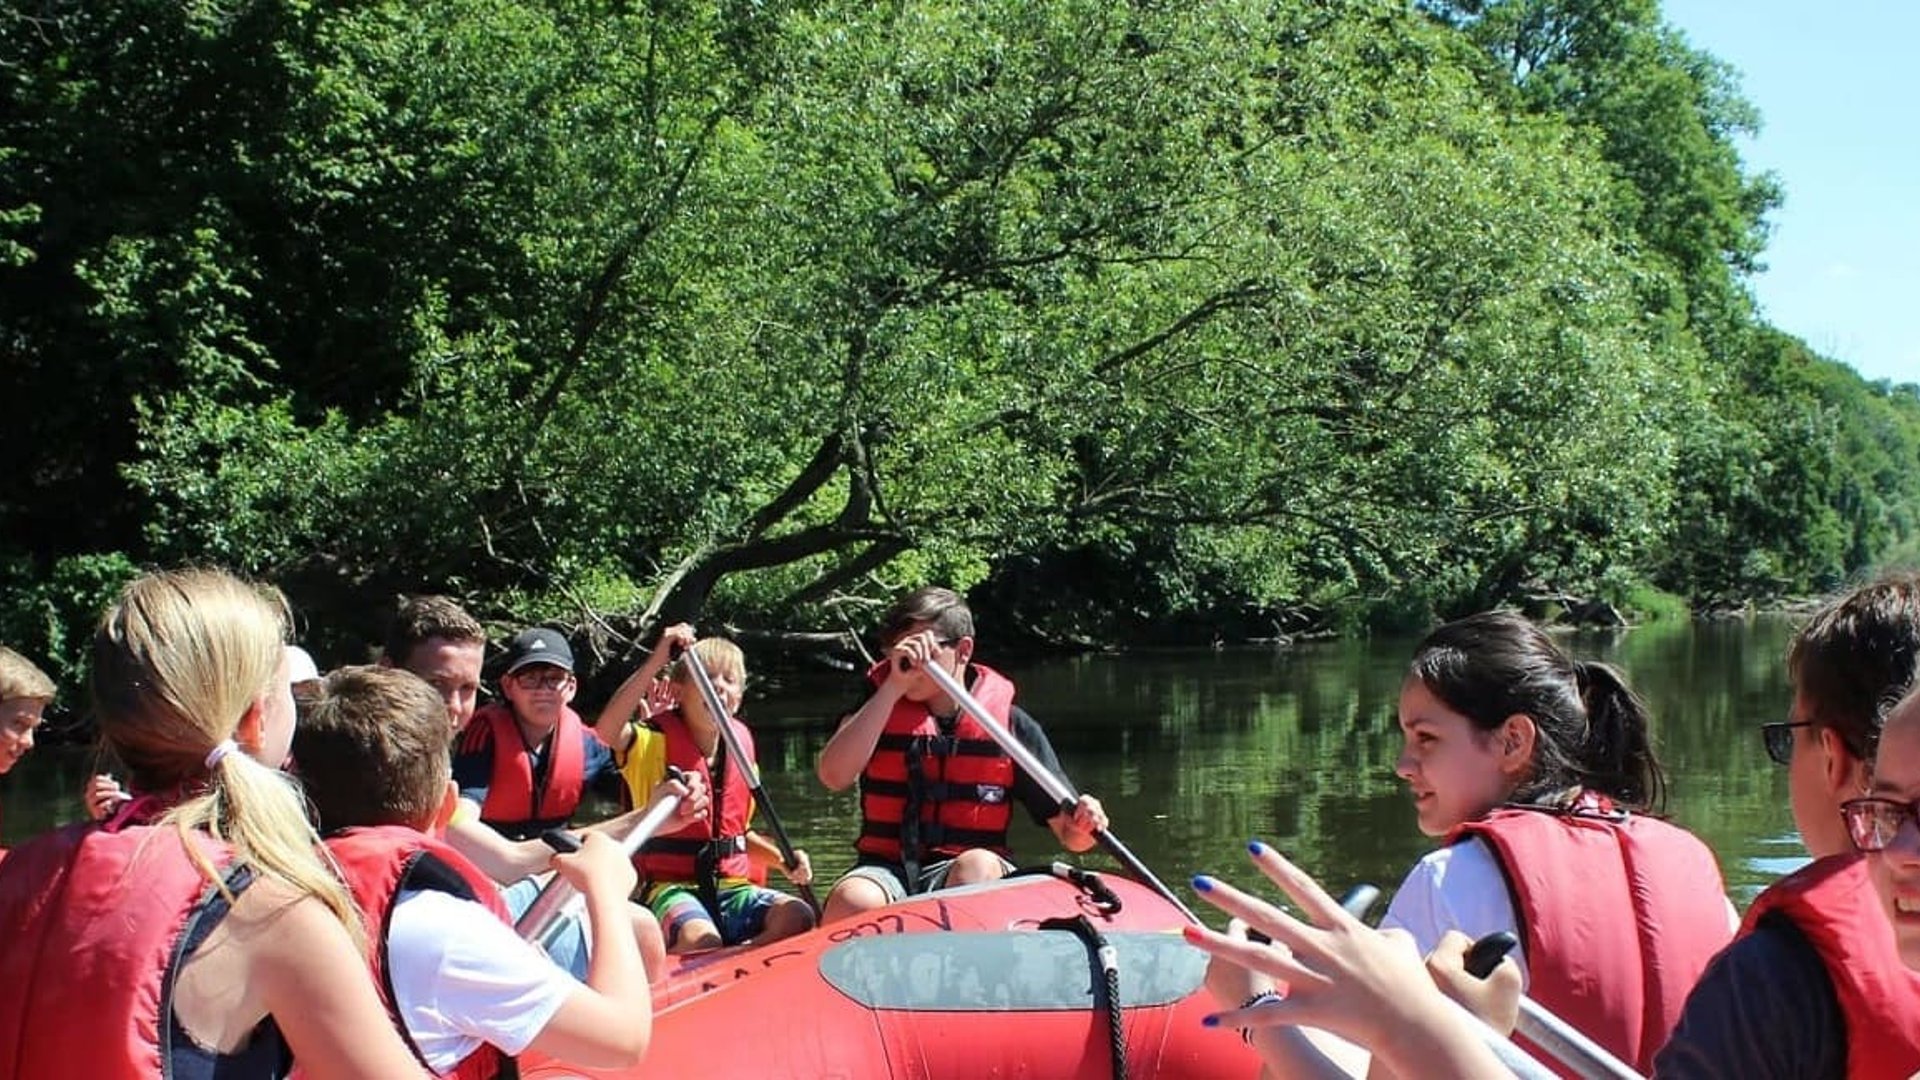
column 945, row 610
column 1856, row 658
column 371, row 748
column 422, row 618
column 21, row 678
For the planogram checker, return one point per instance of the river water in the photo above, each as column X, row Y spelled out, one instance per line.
column 1195, row 752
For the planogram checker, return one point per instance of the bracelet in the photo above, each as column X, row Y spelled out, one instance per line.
column 1264, row 997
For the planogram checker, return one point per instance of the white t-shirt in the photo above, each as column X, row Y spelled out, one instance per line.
column 1461, row 887
column 1457, row 887
column 462, row 977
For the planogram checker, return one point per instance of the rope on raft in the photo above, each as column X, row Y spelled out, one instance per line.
column 1106, row 982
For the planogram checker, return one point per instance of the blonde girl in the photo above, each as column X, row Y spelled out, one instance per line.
column 196, row 932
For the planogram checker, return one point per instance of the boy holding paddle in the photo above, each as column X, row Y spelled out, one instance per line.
column 461, row 987
column 936, row 789
column 698, row 881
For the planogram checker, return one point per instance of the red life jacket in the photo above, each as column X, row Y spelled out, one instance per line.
column 1834, row 905
column 674, row 857
column 1619, row 914
column 90, row 917
column 512, row 804
column 962, row 782
column 376, row 864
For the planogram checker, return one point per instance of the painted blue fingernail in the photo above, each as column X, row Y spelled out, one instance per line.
column 1256, row 848
column 1202, row 883
column 1210, row 1021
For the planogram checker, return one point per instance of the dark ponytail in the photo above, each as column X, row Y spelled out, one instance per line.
column 1591, row 730
column 1618, row 759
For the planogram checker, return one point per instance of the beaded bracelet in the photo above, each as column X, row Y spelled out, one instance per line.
column 1264, row 997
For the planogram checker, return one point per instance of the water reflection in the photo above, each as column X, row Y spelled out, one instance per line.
column 1195, row 752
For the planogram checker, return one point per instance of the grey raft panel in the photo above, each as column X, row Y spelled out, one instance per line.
column 1009, row 971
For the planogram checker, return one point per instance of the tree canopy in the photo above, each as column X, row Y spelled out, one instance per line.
column 1141, row 320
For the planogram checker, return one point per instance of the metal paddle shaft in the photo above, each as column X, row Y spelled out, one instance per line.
column 1056, row 788
column 717, row 712
column 559, row 899
column 1564, row 1042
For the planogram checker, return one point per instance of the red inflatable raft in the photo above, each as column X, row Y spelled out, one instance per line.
column 1006, row 980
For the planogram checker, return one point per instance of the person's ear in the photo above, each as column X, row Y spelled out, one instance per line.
column 1845, row 774
column 963, row 650
column 449, row 802
column 250, row 734
column 1515, row 740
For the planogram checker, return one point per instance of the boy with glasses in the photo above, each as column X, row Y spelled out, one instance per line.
column 1813, row 987
column 527, row 760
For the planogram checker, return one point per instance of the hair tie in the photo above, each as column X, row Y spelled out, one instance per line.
column 214, row 756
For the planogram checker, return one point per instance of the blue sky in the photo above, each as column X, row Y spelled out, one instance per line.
column 1839, row 98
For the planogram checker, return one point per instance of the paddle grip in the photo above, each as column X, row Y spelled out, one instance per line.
column 561, row 841
column 1485, row 955
column 1360, row 900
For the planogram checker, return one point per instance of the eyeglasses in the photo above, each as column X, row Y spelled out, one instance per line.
column 551, row 679
column 1872, row 823
column 1779, row 739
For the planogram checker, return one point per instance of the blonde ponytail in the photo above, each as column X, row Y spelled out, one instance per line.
column 178, row 661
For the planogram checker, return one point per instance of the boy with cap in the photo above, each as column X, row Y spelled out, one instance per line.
column 437, row 640
column 527, row 760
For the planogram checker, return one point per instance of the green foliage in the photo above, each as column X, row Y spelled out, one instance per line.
column 49, row 615
column 1148, row 321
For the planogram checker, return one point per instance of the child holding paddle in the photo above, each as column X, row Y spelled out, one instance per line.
column 698, row 880
column 936, row 791
column 197, row 932
column 459, row 985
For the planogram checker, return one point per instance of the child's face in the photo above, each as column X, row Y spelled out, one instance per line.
column 539, row 692
column 1811, row 786
column 728, row 685
column 1895, row 871
column 1451, row 767
column 452, row 668
column 19, row 719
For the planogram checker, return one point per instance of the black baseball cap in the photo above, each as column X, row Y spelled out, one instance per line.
column 539, row 645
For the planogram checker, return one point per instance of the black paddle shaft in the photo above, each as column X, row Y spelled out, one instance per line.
column 717, row 712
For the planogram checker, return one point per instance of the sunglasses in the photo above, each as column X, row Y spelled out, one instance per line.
column 550, row 679
column 1872, row 823
column 1779, row 739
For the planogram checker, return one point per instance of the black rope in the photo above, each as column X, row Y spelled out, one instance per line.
column 1106, row 982
column 1105, row 900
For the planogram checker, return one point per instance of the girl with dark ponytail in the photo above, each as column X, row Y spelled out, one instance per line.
column 1538, row 773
